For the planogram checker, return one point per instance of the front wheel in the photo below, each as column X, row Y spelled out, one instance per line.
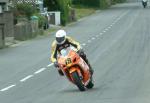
column 78, row 81
column 90, row 84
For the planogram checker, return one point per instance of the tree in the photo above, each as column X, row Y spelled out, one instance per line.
column 90, row 3
column 25, row 10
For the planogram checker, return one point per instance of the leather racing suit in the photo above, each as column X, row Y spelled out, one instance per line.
column 58, row 47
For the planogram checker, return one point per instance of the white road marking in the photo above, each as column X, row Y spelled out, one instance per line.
column 104, row 31
column 40, row 70
column 101, row 33
column 49, row 65
column 26, row 78
column 7, row 88
column 93, row 38
column 83, row 44
column 111, row 25
column 89, row 41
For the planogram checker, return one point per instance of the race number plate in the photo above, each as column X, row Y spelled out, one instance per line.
column 68, row 61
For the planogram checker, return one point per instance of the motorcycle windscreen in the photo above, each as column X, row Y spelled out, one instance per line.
column 64, row 52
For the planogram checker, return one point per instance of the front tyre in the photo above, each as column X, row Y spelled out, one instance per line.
column 78, row 81
column 90, row 85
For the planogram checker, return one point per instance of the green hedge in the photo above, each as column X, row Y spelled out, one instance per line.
column 90, row 3
column 41, row 20
column 104, row 4
column 52, row 5
column 119, row 1
column 64, row 6
column 25, row 10
column 96, row 3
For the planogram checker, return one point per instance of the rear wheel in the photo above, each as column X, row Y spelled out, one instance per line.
column 78, row 81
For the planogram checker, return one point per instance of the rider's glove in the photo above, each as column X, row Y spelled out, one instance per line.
column 81, row 53
column 56, row 64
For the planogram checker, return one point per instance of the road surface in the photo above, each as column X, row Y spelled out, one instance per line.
column 117, row 42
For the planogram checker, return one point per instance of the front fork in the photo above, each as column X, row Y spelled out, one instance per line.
column 76, row 70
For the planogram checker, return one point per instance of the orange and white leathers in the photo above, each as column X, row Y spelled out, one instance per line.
column 55, row 48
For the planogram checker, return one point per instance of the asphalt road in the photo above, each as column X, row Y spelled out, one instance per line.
column 117, row 42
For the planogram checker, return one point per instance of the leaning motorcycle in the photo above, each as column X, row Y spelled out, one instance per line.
column 75, row 68
column 144, row 3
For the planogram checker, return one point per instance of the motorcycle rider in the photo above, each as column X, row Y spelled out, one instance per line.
column 62, row 41
column 144, row 3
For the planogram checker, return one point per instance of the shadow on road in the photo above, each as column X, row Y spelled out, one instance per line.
column 77, row 91
column 69, row 91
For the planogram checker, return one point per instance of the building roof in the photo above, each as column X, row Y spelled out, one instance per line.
column 4, row 0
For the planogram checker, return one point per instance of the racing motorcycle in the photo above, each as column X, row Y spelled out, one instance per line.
column 144, row 3
column 75, row 68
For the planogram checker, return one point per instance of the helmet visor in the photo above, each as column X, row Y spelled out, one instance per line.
column 60, row 39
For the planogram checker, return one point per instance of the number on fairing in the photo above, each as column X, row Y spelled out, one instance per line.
column 68, row 61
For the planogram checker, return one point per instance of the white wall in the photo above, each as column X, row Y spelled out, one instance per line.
column 57, row 17
column 1, row 9
column 4, row 0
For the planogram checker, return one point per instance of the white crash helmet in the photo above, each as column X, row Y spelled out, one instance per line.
column 60, row 36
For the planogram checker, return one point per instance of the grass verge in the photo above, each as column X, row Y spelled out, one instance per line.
column 82, row 11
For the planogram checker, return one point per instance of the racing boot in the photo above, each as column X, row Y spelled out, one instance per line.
column 60, row 72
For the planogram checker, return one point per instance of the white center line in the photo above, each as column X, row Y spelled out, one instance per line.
column 104, row 31
column 40, row 70
column 101, row 33
column 89, row 41
column 49, row 65
column 93, row 38
column 83, row 44
column 7, row 88
column 26, row 78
